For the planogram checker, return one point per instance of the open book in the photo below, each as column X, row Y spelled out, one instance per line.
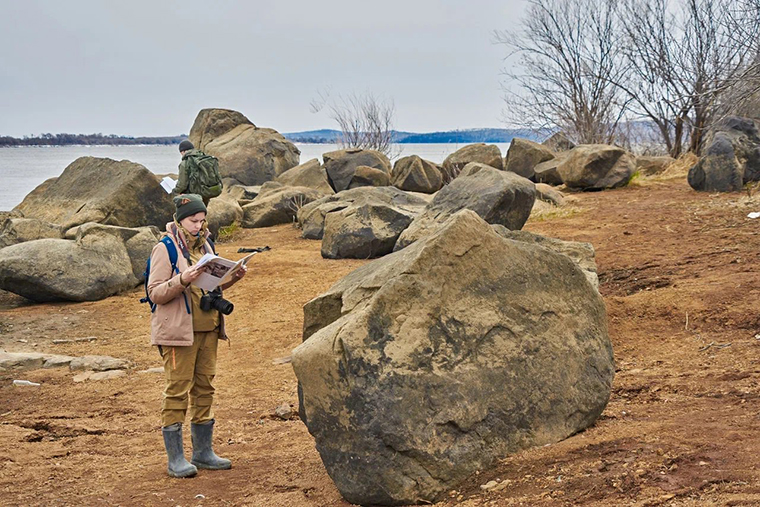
column 168, row 184
column 218, row 270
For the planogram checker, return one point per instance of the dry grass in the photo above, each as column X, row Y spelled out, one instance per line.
column 678, row 169
column 549, row 212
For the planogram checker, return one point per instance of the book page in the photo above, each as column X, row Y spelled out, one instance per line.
column 168, row 184
column 242, row 262
column 215, row 270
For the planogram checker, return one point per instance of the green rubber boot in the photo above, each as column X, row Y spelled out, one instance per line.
column 178, row 465
column 203, row 456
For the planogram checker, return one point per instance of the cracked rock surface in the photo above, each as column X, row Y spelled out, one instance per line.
column 440, row 359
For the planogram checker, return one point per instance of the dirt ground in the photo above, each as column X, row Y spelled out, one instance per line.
column 678, row 274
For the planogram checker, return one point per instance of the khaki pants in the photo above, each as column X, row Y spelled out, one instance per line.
column 189, row 372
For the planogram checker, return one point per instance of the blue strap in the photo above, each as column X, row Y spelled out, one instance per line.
column 172, row 251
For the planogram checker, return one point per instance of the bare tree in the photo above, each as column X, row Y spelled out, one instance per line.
column 681, row 60
column 567, row 61
column 365, row 121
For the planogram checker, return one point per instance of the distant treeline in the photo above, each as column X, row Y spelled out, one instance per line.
column 87, row 139
column 484, row 135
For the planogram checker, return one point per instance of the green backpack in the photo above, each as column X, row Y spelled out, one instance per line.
column 203, row 175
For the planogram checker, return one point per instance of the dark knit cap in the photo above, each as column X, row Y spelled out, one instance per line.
column 186, row 145
column 187, row 205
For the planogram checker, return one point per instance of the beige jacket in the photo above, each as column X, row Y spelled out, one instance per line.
column 172, row 321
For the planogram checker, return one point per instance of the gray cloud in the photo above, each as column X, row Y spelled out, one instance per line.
column 146, row 68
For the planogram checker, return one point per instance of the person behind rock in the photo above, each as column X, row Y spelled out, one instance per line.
column 187, row 338
column 198, row 173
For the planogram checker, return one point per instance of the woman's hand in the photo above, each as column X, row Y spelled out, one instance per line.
column 240, row 273
column 190, row 275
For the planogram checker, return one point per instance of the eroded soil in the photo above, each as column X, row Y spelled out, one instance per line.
column 679, row 275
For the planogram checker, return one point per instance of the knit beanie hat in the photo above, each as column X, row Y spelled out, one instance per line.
column 187, row 205
column 185, row 145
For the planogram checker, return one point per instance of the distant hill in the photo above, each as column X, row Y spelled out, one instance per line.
column 485, row 135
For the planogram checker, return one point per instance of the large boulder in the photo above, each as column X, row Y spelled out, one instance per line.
column 240, row 192
column 546, row 172
column 341, row 165
column 523, row 156
column 731, row 157
column 548, row 193
column 100, row 262
column 488, row 154
column 650, row 166
column 415, row 174
column 582, row 254
column 102, row 190
column 310, row 174
column 212, row 123
column 246, row 153
column 366, row 176
column 277, row 205
column 363, row 232
column 597, row 167
column 558, row 142
column 223, row 212
column 311, row 217
column 498, row 197
column 431, row 363
column 19, row 230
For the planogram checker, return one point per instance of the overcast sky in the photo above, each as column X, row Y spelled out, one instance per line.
column 147, row 67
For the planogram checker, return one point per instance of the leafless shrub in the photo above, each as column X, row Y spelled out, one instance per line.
column 365, row 121
column 295, row 205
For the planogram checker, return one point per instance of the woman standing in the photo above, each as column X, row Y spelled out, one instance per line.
column 187, row 337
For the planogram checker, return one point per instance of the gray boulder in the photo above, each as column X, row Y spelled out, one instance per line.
column 498, row 197
column 277, row 205
column 311, row 217
column 488, row 154
column 100, row 262
column 100, row 190
column 523, row 156
column 310, row 174
column 366, row 176
column 731, row 157
column 559, row 142
column 431, row 363
column 223, row 211
column 546, row 172
column 549, row 194
column 650, row 166
column 363, row 232
column 246, row 153
column 415, row 174
column 240, row 192
column 214, row 122
column 341, row 165
column 19, row 230
column 582, row 254
column 597, row 167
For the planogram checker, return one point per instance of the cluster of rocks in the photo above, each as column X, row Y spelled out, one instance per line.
column 73, row 238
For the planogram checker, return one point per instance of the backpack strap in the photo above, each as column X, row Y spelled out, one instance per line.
column 171, row 249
